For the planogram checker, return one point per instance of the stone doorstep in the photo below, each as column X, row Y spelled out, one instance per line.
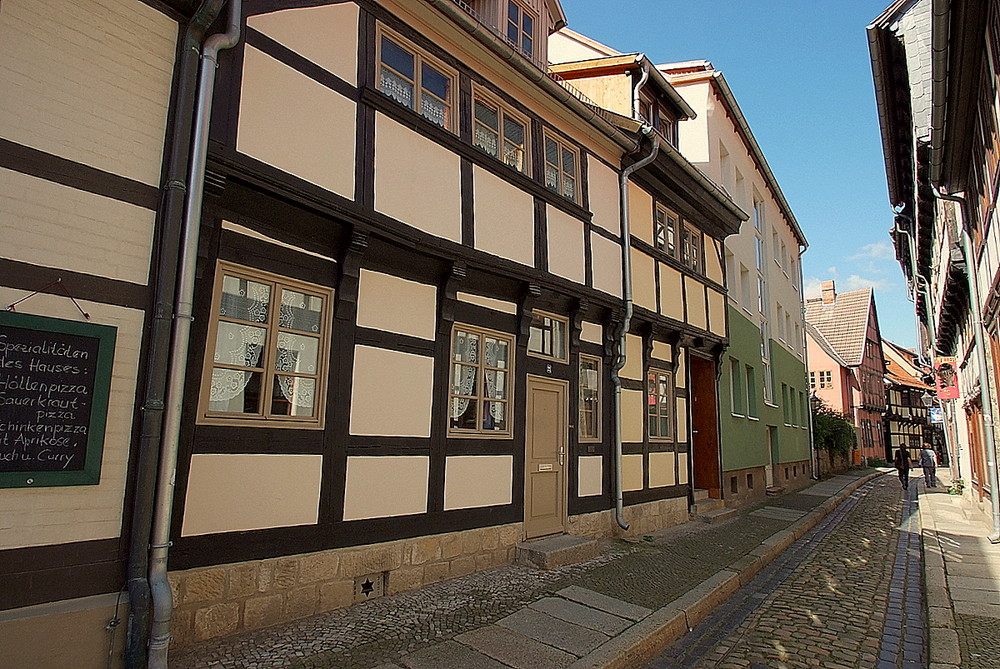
column 717, row 515
column 700, row 494
column 555, row 551
column 706, row 506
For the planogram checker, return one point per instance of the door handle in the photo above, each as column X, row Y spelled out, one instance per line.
column 562, row 455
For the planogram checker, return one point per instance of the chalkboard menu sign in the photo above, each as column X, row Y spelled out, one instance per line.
column 54, row 381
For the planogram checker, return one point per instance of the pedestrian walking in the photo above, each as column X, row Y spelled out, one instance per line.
column 902, row 464
column 928, row 461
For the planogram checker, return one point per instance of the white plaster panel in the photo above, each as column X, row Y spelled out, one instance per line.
column 631, row 472
column 236, row 492
column 566, row 252
column 640, row 211
column 662, row 470
column 592, row 332
column 47, row 224
column 313, row 139
column 505, row 218
column 417, row 181
column 64, row 514
column 633, row 415
column 391, row 394
column 605, row 195
column 328, row 36
column 89, row 81
column 478, row 480
column 607, row 263
column 671, row 295
column 590, row 475
column 695, row 292
column 394, row 304
column 380, row 487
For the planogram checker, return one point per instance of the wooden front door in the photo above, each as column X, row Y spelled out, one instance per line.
column 545, row 445
column 705, row 424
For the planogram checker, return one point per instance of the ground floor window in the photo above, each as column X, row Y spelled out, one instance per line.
column 479, row 398
column 659, row 390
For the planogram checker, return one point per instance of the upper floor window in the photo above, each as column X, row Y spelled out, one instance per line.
column 561, row 168
column 520, row 28
column 665, row 232
column 547, row 336
column 758, row 215
column 691, row 247
column 500, row 133
column 590, row 398
column 414, row 80
column 826, row 379
column 269, row 348
column 656, row 116
column 479, row 395
column 659, row 388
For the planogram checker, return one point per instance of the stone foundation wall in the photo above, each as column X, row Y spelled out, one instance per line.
column 211, row 602
column 792, row 475
column 739, row 492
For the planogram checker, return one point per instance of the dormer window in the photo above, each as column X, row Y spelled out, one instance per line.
column 662, row 122
column 520, row 28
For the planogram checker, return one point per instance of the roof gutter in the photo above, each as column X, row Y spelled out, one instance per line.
column 882, row 104
column 940, row 41
column 514, row 58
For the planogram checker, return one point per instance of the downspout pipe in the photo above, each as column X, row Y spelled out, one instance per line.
column 171, row 215
column 616, row 381
column 183, row 315
column 814, row 474
column 984, row 375
column 643, row 78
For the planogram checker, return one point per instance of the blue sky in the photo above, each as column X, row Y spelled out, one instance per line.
column 802, row 75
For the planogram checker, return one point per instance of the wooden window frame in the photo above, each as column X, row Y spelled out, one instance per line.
column 653, row 410
column 565, row 336
column 420, row 60
column 564, row 148
column 668, row 226
column 479, row 396
column 523, row 11
column 503, row 112
column 265, row 416
column 596, row 437
column 692, row 240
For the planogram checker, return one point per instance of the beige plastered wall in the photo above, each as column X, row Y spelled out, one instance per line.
column 71, row 633
column 48, row 224
column 607, row 264
column 235, row 492
column 312, row 139
column 502, row 306
column 605, row 195
column 391, row 393
column 633, row 358
column 505, row 218
column 417, row 180
column 662, row 470
column 643, row 280
column 401, row 482
column 327, row 36
column 394, row 304
column 716, row 312
column 592, row 332
column 694, row 292
column 89, row 81
column 565, row 239
column 62, row 514
column 671, row 293
column 478, row 480
column 640, row 213
column 590, row 475
column 612, row 91
column 631, row 472
column 633, row 415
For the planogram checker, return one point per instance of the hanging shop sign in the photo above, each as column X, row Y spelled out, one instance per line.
column 946, row 378
column 55, row 376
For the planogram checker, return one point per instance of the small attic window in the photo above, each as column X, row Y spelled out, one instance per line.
column 520, row 30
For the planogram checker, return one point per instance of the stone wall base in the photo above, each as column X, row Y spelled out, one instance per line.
column 744, row 486
column 211, row 602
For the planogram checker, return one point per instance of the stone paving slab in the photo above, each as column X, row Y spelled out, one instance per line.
column 972, row 595
column 596, row 600
column 449, row 654
column 558, row 633
column 779, row 513
column 578, row 614
column 515, row 650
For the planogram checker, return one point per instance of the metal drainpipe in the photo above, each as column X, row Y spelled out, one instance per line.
column 160, row 540
column 616, row 381
column 171, row 216
column 984, row 376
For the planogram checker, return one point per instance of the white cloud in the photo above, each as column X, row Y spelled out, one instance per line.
column 855, row 282
column 877, row 251
column 813, row 287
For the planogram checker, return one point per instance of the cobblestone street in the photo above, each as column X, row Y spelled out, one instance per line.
column 846, row 595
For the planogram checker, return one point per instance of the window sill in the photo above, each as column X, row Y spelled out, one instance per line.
column 737, row 415
column 753, row 418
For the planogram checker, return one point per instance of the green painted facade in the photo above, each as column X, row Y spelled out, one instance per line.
column 744, row 416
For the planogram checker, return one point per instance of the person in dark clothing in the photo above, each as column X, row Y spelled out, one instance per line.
column 928, row 461
column 902, row 464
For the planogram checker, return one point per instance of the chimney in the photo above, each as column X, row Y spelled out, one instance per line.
column 829, row 292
